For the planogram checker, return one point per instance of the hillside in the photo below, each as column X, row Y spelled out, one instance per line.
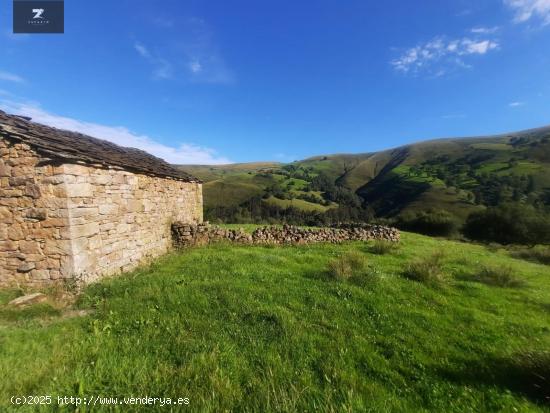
column 262, row 328
column 458, row 175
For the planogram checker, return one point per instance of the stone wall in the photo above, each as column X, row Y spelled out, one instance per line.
column 34, row 246
column 80, row 221
column 119, row 219
column 185, row 234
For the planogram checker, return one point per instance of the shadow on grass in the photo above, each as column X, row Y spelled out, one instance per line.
column 526, row 374
column 495, row 276
column 30, row 313
column 265, row 325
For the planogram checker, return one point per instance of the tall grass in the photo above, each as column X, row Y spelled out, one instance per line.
column 346, row 266
column 382, row 247
column 500, row 276
column 427, row 270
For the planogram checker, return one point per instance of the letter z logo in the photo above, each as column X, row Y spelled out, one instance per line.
column 38, row 13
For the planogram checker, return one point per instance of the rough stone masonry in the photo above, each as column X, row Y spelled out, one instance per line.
column 76, row 207
column 186, row 235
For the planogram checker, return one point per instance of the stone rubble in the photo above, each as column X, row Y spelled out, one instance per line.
column 186, row 235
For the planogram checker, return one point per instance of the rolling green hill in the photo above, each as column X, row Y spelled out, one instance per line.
column 242, row 328
column 459, row 175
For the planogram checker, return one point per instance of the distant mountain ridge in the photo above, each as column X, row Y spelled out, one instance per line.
column 459, row 175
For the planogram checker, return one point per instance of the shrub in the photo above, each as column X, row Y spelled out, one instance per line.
column 501, row 276
column 537, row 254
column 339, row 269
column 509, row 224
column 432, row 222
column 426, row 270
column 347, row 266
column 381, row 247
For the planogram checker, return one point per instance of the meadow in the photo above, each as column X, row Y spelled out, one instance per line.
column 432, row 325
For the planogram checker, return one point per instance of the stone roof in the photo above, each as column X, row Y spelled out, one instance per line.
column 73, row 147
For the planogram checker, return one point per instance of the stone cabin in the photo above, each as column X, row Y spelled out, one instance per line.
column 77, row 207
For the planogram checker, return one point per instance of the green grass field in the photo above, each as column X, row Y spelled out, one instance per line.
column 296, row 203
column 267, row 329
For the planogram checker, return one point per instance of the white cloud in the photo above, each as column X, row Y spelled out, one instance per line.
column 516, row 104
column 526, row 9
column 162, row 69
column 142, row 50
column 10, row 77
column 195, row 66
column 481, row 47
column 485, row 30
column 184, row 153
column 441, row 51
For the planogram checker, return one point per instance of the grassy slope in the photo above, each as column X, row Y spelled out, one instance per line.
column 236, row 188
column 212, row 172
column 379, row 177
column 264, row 329
column 296, row 203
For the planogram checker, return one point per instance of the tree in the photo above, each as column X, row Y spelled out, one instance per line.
column 512, row 223
column 430, row 222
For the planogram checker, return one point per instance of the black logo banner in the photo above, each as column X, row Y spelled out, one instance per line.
column 38, row 16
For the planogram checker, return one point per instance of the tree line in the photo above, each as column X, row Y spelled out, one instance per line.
column 514, row 213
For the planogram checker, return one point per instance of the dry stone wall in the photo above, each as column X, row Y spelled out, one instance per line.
column 186, row 234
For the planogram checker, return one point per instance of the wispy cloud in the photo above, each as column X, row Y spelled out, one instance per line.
column 439, row 54
column 477, row 47
column 527, row 9
column 485, row 30
column 190, row 53
column 195, row 66
column 516, row 104
column 163, row 21
column 204, row 60
column 142, row 50
column 183, row 153
column 11, row 77
column 162, row 69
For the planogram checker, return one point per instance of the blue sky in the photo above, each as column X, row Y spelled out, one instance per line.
column 217, row 81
